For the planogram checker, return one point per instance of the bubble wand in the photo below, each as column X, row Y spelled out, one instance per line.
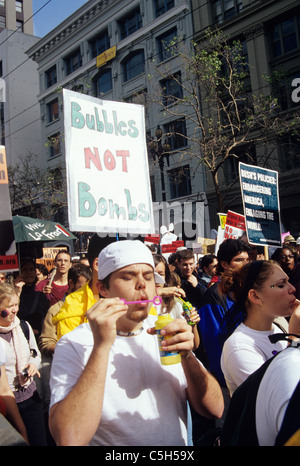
column 156, row 300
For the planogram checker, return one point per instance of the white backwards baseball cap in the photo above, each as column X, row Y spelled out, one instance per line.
column 120, row 254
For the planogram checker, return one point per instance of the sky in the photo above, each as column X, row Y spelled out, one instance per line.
column 52, row 14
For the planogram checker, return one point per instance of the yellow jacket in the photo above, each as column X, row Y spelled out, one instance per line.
column 73, row 311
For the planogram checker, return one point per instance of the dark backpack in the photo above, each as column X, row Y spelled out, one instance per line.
column 239, row 428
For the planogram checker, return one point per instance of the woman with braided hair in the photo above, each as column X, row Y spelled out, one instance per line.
column 262, row 293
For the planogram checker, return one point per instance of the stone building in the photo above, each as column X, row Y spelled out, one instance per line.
column 113, row 49
column 270, row 32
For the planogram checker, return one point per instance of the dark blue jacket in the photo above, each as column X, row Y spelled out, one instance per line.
column 211, row 314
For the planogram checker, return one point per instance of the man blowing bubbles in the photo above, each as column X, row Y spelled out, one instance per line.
column 115, row 391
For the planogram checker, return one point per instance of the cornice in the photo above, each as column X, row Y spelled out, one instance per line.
column 68, row 28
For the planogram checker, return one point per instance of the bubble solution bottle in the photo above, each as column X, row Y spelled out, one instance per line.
column 166, row 357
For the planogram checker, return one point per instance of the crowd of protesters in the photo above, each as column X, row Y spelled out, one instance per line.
column 77, row 347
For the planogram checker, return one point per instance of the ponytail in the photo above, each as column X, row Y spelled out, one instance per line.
column 240, row 282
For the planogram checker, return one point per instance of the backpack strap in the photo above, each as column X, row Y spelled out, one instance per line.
column 25, row 329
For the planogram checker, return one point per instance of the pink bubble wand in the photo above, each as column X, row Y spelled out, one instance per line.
column 156, row 300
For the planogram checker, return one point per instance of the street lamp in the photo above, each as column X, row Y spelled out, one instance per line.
column 160, row 152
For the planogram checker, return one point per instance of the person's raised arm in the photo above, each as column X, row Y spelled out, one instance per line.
column 203, row 391
column 74, row 420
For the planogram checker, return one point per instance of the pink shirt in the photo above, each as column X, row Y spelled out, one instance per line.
column 57, row 293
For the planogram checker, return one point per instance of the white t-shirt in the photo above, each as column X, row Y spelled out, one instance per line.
column 274, row 393
column 245, row 351
column 144, row 402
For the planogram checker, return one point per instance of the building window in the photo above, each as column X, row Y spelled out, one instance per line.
column 130, row 23
column 20, row 26
column 2, row 22
column 226, row 9
column 161, row 6
column 103, row 82
column 167, row 44
column 73, row 62
column 285, row 36
column 289, row 153
column 171, row 89
column 152, row 186
column 176, row 133
column 133, row 65
column 245, row 154
column 51, row 76
column 19, row 6
column 139, row 98
column 52, row 111
column 78, row 88
column 54, row 145
column 283, row 91
column 99, row 44
column 180, row 182
column 2, row 3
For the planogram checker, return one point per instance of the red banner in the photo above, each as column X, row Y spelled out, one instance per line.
column 8, row 256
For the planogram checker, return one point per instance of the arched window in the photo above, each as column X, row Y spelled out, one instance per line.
column 103, row 82
column 133, row 65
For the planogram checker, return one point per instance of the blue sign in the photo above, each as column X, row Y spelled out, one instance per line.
column 259, row 188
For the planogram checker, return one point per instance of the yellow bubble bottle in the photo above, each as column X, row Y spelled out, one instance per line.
column 166, row 357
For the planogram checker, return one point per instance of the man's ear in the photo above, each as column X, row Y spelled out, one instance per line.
column 103, row 291
column 95, row 264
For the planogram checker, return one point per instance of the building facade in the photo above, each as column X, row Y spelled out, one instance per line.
column 138, row 36
column 270, row 32
column 19, row 110
column 16, row 15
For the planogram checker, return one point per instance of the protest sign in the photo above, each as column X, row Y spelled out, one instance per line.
column 107, row 166
column 222, row 218
column 49, row 255
column 234, row 226
column 204, row 246
column 171, row 247
column 259, row 188
column 8, row 254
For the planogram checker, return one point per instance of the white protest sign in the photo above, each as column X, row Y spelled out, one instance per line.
column 107, row 166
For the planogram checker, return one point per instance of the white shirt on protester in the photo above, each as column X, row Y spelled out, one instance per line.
column 144, row 402
column 245, row 351
column 274, row 393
